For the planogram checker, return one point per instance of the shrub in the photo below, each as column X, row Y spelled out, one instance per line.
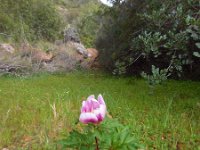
column 31, row 18
column 45, row 22
column 139, row 34
column 89, row 23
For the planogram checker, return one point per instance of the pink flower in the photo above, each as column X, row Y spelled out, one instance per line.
column 93, row 111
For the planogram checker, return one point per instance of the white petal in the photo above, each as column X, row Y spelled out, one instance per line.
column 88, row 118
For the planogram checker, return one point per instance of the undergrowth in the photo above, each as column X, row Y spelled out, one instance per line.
column 37, row 111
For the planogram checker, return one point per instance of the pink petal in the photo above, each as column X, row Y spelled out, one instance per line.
column 100, row 112
column 83, row 108
column 95, row 103
column 100, row 99
column 88, row 118
column 88, row 104
column 93, row 111
column 90, row 97
column 100, row 117
column 91, row 104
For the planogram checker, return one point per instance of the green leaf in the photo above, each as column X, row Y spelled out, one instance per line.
column 197, row 54
column 123, row 136
column 194, row 36
column 198, row 45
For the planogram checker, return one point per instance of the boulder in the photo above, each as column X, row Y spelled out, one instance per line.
column 78, row 48
column 71, row 34
column 92, row 53
column 7, row 48
column 62, row 61
column 36, row 55
column 6, row 53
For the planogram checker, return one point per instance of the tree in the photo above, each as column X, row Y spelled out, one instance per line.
column 138, row 34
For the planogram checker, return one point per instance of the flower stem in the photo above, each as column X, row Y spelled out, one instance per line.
column 97, row 144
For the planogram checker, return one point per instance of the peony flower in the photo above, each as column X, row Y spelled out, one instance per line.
column 93, row 111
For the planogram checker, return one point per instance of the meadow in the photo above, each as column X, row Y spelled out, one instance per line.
column 37, row 111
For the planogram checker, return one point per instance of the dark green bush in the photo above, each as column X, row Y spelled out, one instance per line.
column 140, row 34
column 88, row 27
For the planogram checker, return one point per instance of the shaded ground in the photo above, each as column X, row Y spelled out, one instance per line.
column 36, row 111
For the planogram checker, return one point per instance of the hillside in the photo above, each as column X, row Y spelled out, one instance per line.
column 54, row 40
column 41, row 20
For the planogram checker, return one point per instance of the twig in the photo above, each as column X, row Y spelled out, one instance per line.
column 137, row 58
column 171, row 61
column 136, row 32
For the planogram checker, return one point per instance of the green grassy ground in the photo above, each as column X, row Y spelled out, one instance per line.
column 36, row 111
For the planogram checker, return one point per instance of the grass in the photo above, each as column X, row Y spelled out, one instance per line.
column 36, row 111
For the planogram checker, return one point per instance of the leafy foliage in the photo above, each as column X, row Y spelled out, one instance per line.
column 88, row 22
column 157, row 77
column 31, row 19
column 110, row 135
column 164, row 34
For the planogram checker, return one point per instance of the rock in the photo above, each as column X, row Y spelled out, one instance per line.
column 64, row 57
column 36, row 55
column 41, row 56
column 72, row 40
column 81, row 49
column 92, row 53
column 92, row 57
column 7, row 53
column 78, row 48
column 7, row 47
column 71, row 34
column 62, row 61
column 58, row 42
